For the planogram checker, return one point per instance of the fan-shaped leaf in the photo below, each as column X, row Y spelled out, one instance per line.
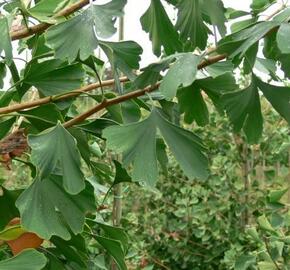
column 47, row 209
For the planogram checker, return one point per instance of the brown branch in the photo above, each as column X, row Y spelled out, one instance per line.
column 39, row 28
column 87, row 88
column 26, row 105
column 134, row 94
column 109, row 102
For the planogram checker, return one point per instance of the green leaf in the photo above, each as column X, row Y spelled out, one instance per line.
column 244, row 262
column 191, row 100
column 181, row 73
column 243, row 40
column 186, row 147
column 73, row 250
column 193, row 105
column 244, row 110
column 116, row 233
column 265, row 224
column 124, row 56
column 82, row 144
column 121, row 174
column 47, row 209
column 190, row 23
column 260, row 5
column 278, row 96
column 283, row 38
column 266, row 265
column 276, row 195
column 5, row 41
column 2, row 74
column 267, row 66
column 27, row 260
column 5, row 126
column 216, row 12
column 151, row 74
column 54, row 77
column 131, row 111
column 115, row 249
column 162, row 155
column 43, row 117
column 56, row 149
column 44, row 10
column 161, row 31
column 138, row 143
column 96, row 127
column 78, row 36
column 223, row 83
column 220, row 68
column 239, row 25
column 11, row 233
column 8, row 210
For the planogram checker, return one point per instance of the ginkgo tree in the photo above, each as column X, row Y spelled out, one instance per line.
column 45, row 124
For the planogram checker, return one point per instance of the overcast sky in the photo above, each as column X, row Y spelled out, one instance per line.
column 133, row 31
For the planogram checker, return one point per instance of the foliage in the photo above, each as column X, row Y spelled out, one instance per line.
column 80, row 143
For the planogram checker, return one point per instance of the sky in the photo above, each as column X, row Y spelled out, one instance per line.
column 133, row 29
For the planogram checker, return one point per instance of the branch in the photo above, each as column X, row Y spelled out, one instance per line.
column 134, row 94
column 39, row 28
column 88, row 88
column 26, row 105
column 106, row 103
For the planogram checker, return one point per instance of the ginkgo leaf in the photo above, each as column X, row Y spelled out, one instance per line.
column 244, row 110
column 161, row 30
column 45, row 10
column 116, row 233
column 260, row 5
column 5, row 41
column 114, row 248
column 239, row 43
column 137, row 142
column 192, row 102
column 190, row 23
column 5, row 126
column 47, row 209
column 53, row 77
column 56, row 149
column 278, row 96
column 124, row 57
column 29, row 259
column 283, row 38
column 151, row 74
column 8, row 211
column 2, row 74
column 216, row 12
column 43, row 117
column 186, row 147
column 181, row 73
column 193, row 105
column 78, row 36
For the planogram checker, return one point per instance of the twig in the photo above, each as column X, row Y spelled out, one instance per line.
column 106, row 103
column 87, row 88
column 39, row 28
column 42, row 101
